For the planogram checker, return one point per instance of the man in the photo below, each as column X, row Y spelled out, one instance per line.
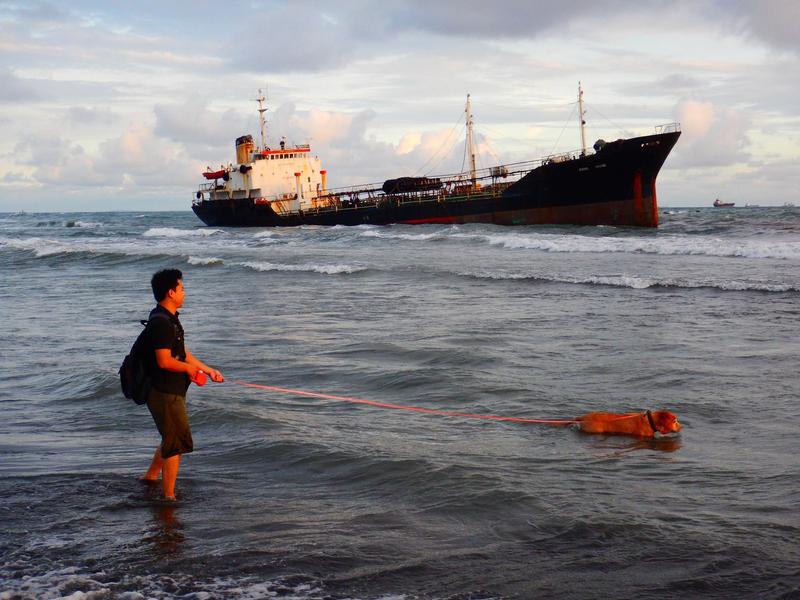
column 171, row 367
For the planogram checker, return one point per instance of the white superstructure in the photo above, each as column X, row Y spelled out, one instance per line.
column 288, row 177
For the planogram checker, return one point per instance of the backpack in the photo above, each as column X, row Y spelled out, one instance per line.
column 134, row 377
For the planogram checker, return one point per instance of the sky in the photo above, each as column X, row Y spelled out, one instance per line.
column 121, row 105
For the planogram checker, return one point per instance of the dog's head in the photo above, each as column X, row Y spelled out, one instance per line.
column 666, row 422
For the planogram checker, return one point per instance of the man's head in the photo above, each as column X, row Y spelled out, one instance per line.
column 167, row 285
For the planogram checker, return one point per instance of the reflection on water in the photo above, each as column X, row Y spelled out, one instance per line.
column 166, row 534
column 621, row 445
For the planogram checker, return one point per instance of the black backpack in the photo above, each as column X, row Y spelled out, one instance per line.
column 134, row 377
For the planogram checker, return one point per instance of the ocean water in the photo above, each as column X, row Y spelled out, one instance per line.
column 303, row 497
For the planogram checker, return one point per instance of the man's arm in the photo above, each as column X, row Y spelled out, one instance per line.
column 166, row 361
column 193, row 360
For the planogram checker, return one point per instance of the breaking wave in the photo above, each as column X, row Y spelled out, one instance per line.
column 46, row 248
column 662, row 245
column 202, row 260
column 88, row 584
column 42, row 247
column 411, row 237
column 83, row 224
column 310, row 268
column 640, row 283
column 175, row 232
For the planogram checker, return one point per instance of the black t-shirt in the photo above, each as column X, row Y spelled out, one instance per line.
column 167, row 333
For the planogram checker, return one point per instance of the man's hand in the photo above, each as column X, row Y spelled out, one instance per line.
column 216, row 376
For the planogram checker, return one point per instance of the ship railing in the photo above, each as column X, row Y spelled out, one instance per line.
column 668, row 128
column 491, row 182
column 487, row 182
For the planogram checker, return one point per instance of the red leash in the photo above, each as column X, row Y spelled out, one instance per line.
column 446, row 413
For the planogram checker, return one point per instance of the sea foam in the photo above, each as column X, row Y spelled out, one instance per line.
column 175, row 232
column 311, row 268
column 661, row 245
column 637, row 282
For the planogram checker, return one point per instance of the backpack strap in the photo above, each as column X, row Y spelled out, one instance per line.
column 158, row 315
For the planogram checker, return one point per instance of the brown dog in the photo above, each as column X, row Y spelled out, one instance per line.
column 644, row 425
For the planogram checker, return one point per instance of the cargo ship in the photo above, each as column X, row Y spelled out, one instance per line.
column 614, row 183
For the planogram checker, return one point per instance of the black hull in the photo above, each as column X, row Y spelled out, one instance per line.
column 615, row 186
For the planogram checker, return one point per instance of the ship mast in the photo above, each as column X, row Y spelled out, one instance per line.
column 581, row 115
column 261, row 119
column 471, row 143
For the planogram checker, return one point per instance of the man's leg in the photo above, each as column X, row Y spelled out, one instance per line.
column 169, row 474
column 155, row 466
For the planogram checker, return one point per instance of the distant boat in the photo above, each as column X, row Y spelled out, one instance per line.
column 752, row 206
column 788, row 205
column 718, row 204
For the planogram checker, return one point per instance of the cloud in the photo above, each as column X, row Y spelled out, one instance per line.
column 290, row 37
column 712, row 136
column 17, row 178
column 354, row 157
column 772, row 21
column 135, row 158
column 15, row 89
column 147, row 160
column 696, row 118
column 193, row 123
column 57, row 161
column 35, row 13
column 90, row 116
column 505, row 18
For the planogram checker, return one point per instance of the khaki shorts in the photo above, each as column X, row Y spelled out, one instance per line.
column 169, row 414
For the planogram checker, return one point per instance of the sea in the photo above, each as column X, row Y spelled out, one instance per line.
column 304, row 493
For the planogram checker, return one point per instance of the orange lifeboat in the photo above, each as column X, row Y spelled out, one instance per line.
column 214, row 174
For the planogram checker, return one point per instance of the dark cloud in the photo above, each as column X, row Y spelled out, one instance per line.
column 505, row 18
column 291, row 37
column 774, row 22
column 314, row 36
column 35, row 13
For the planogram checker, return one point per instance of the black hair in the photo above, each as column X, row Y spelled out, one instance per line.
column 164, row 281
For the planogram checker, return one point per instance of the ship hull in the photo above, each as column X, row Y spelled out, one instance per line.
column 615, row 186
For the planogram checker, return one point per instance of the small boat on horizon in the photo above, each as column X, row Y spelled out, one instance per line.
column 719, row 204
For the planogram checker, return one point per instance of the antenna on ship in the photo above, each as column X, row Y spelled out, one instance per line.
column 581, row 115
column 471, row 143
column 261, row 119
